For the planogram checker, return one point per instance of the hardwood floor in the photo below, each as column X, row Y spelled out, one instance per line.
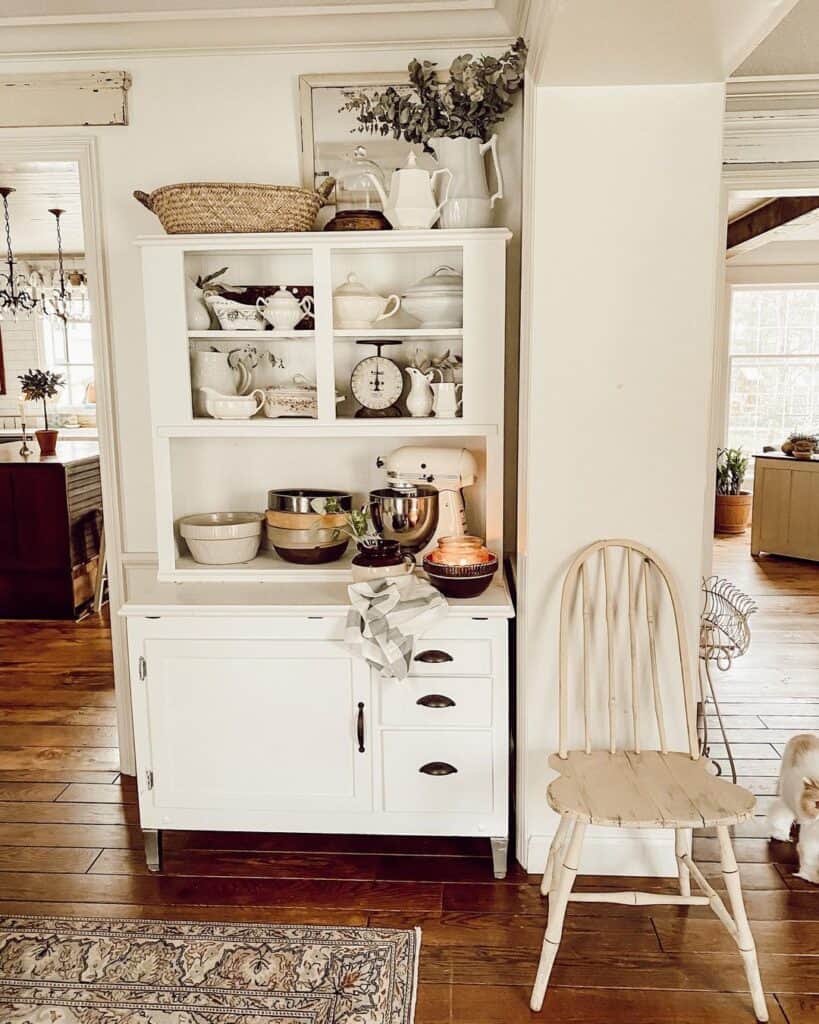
column 70, row 844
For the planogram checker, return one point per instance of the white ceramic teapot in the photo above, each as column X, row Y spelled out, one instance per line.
column 283, row 311
column 411, row 202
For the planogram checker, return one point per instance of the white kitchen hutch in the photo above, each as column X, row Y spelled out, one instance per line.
column 250, row 712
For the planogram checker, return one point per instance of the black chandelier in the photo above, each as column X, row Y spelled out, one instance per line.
column 58, row 301
column 17, row 296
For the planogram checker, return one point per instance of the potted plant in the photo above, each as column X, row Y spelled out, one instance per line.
column 40, row 385
column 733, row 505
column 454, row 117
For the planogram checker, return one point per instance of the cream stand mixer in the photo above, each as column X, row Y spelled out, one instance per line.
column 424, row 500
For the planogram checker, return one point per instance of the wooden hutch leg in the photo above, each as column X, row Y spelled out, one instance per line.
column 153, row 848
column 500, row 850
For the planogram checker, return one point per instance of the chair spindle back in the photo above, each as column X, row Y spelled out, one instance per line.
column 649, row 587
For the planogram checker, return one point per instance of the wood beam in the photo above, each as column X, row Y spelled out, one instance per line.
column 767, row 218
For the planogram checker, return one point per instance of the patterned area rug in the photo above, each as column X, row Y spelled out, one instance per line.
column 88, row 971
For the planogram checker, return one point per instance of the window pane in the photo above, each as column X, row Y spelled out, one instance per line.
column 79, row 343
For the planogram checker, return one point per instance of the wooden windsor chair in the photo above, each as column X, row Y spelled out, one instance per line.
column 638, row 786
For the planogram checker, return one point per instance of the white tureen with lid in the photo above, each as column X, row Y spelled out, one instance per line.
column 437, row 301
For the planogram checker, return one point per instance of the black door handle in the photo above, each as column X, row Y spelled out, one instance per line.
column 359, row 727
column 435, row 700
column 433, row 657
column 437, row 768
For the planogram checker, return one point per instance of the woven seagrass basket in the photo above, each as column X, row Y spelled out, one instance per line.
column 205, row 208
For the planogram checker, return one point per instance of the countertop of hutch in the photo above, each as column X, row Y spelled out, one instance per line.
column 68, row 453
column 146, row 596
column 333, row 239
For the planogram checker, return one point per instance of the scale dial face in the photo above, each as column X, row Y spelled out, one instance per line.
column 376, row 383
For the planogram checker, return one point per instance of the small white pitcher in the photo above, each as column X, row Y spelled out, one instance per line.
column 420, row 397
column 447, row 399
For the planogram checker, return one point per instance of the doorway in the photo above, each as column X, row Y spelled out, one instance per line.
column 57, row 673
column 768, row 391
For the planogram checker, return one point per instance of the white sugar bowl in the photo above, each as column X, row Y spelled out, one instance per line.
column 357, row 308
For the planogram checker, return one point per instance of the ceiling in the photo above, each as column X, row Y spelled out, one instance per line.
column 792, row 48
column 40, row 186
column 28, row 26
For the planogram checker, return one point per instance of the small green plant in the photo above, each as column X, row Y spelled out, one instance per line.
column 359, row 526
column 39, row 385
column 470, row 101
column 446, row 364
column 732, row 464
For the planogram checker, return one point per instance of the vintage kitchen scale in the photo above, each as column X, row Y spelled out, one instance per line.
column 377, row 382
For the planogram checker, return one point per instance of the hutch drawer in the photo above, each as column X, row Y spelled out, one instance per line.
column 437, row 703
column 438, row 771
column 441, row 657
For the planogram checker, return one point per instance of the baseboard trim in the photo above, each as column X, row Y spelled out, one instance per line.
column 644, row 852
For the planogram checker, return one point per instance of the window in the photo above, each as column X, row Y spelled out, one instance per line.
column 774, row 365
column 70, row 353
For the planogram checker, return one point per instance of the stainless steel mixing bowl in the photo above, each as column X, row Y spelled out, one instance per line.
column 408, row 515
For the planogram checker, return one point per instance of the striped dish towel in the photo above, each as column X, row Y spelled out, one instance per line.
column 385, row 617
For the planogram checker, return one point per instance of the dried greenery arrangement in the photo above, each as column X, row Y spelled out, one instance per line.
column 39, row 385
column 469, row 102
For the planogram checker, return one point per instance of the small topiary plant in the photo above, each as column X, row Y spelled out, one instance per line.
column 39, row 385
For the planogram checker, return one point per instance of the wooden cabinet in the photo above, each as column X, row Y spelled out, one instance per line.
column 269, row 722
column 51, row 516
column 786, row 507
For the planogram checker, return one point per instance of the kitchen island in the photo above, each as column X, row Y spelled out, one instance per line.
column 51, row 515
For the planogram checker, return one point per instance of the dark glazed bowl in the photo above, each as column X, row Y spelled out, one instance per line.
column 312, row 556
column 462, row 581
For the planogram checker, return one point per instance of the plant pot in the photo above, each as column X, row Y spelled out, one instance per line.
column 380, row 561
column 47, row 440
column 733, row 512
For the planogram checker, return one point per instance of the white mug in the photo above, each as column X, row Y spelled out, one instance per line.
column 447, row 399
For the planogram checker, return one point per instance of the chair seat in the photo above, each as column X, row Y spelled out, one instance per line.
column 645, row 790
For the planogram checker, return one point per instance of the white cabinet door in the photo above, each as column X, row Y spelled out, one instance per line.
column 254, row 725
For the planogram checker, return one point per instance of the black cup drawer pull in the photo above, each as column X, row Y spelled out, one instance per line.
column 435, row 700
column 433, row 657
column 437, row 768
column 359, row 727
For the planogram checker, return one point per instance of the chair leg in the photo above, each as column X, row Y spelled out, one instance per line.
column 682, row 846
column 558, row 902
column 744, row 938
column 555, row 852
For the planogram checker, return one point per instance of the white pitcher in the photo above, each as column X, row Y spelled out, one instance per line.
column 420, row 397
column 212, row 370
column 469, row 204
column 447, row 400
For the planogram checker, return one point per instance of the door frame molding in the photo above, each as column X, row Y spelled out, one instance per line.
column 20, row 145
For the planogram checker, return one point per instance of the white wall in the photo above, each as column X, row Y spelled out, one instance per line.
column 619, row 355
column 21, row 351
